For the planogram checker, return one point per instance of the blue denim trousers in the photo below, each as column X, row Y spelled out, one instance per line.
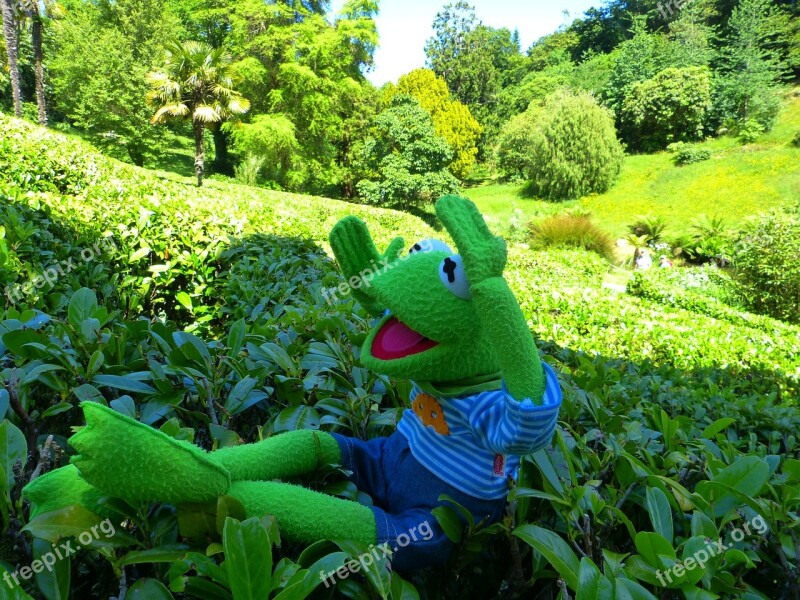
column 404, row 492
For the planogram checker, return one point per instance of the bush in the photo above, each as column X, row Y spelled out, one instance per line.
column 452, row 119
column 651, row 228
column 750, row 132
column 796, row 140
column 248, row 170
column 710, row 241
column 405, row 161
column 687, row 154
column 513, row 153
column 572, row 231
column 271, row 138
column 671, row 107
column 767, row 259
column 567, row 149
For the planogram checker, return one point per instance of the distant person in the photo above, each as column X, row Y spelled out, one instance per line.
column 665, row 263
column 645, row 261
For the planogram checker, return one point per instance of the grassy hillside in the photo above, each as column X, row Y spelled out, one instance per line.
column 737, row 182
column 202, row 314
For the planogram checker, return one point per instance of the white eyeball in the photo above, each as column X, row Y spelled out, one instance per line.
column 453, row 276
column 430, row 245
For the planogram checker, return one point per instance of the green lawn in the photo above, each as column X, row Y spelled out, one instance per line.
column 738, row 182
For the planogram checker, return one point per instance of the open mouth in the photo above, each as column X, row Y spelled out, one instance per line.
column 397, row 340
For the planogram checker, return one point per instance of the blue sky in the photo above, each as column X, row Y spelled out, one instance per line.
column 405, row 25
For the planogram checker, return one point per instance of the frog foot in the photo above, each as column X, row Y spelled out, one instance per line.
column 130, row 460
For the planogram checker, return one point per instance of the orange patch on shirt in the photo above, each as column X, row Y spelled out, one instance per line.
column 430, row 412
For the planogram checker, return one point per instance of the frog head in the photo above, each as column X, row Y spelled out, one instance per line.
column 428, row 329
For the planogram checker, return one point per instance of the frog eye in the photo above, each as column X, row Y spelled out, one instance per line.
column 430, row 245
column 451, row 272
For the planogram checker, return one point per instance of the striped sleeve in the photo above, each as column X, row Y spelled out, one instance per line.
column 508, row 426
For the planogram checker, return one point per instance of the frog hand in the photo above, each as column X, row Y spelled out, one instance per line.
column 357, row 255
column 483, row 253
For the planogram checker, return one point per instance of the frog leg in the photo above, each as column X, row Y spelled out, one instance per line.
column 306, row 516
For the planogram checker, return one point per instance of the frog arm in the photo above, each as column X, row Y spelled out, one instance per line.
column 359, row 259
column 501, row 318
column 511, row 340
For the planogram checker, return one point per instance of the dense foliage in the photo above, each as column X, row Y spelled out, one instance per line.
column 91, row 47
column 667, row 71
column 767, row 259
column 674, row 432
column 404, row 160
column 567, row 149
column 671, row 107
column 451, row 118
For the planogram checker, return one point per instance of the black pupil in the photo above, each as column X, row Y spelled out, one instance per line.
column 415, row 248
column 450, row 269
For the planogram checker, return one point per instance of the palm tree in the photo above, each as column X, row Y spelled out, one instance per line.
column 37, row 11
column 195, row 83
column 10, row 35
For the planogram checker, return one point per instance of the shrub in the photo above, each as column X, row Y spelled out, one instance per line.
column 710, row 241
column 750, row 132
column 567, row 149
column 572, row 231
column 271, row 138
column 767, row 260
column 652, row 228
column 687, row 154
column 513, row 153
column 405, row 161
column 796, row 140
column 248, row 170
column 452, row 119
column 670, row 107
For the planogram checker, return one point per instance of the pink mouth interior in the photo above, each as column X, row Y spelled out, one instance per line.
column 397, row 340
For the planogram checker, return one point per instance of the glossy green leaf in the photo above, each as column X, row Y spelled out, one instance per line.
column 82, row 305
column 555, row 550
column 660, row 512
column 52, row 572
column 148, row 589
column 592, row 584
column 13, row 448
column 125, row 383
column 248, row 559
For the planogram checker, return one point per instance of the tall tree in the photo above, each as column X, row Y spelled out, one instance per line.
column 37, row 12
column 196, row 83
column 751, row 67
column 311, row 70
column 637, row 59
column 452, row 119
column 10, row 35
column 476, row 61
column 36, row 39
column 448, row 46
column 91, row 46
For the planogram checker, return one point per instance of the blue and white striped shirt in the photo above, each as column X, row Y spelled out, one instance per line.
column 474, row 443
